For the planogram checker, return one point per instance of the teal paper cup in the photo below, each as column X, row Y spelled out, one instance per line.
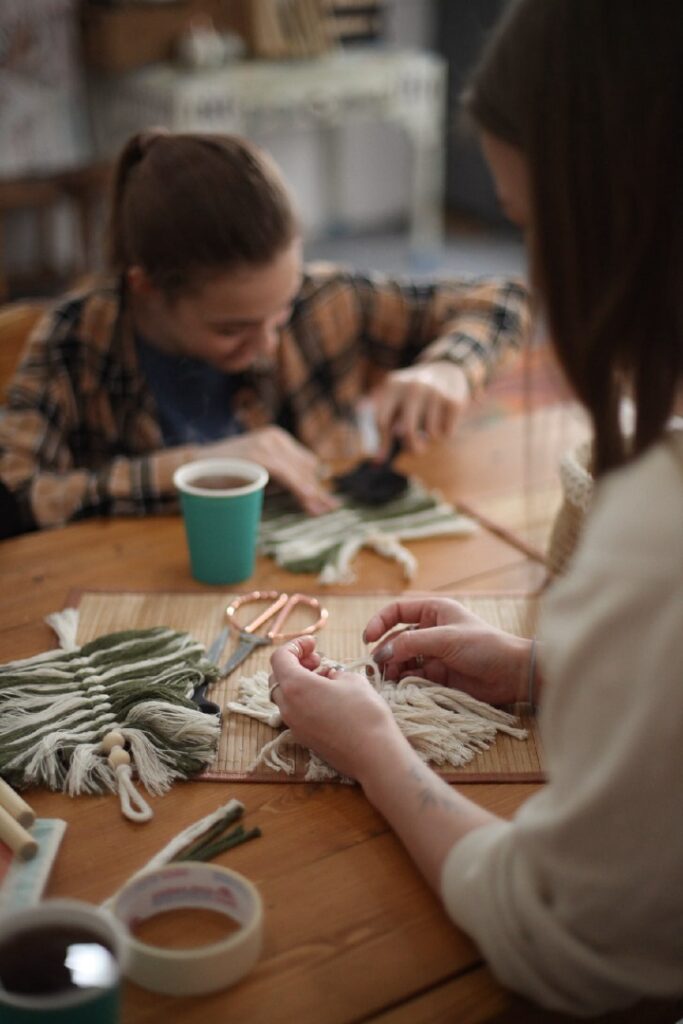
column 221, row 501
column 61, row 962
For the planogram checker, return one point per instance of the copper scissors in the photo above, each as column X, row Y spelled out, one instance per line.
column 281, row 607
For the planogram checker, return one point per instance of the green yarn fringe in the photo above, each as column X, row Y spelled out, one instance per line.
column 55, row 709
column 328, row 543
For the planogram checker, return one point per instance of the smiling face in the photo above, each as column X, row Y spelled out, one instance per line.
column 231, row 321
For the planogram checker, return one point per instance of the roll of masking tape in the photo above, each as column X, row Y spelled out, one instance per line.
column 197, row 970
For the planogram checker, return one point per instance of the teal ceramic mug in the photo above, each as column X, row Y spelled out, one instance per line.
column 61, row 962
column 221, row 501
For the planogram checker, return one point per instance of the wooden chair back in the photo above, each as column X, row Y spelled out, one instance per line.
column 17, row 320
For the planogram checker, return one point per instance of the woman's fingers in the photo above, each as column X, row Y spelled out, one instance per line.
column 418, row 612
column 391, row 615
column 288, row 462
column 436, row 420
column 301, row 477
column 419, row 402
column 291, row 664
column 314, row 500
column 291, row 654
column 431, row 668
column 386, row 403
column 409, row 423
column 415, row 643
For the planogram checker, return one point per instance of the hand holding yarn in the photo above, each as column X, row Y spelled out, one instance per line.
column 340, row 716
column 452, row 647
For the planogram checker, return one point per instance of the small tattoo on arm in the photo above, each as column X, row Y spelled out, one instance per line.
column 432, row 792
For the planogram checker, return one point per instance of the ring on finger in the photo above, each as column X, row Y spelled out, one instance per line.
column 419, row 660
column 272, row 689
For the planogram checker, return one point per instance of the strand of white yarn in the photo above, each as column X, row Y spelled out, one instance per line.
column 65, row 625
column 133, row 804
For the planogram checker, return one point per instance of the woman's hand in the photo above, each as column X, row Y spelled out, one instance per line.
column 339, row 716
column 288, row 462
column 420, row 404
column 344, row 720
column 454, row 647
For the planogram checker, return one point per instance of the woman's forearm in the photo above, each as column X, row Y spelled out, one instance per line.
column 427, row 814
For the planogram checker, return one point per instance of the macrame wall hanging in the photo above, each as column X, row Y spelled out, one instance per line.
column 327, row 544
column 445, row 726
column 81, row 719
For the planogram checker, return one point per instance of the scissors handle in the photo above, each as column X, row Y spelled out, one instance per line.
column 261, row 595
column 290, row 604
column 199, row 698
column 282, row 603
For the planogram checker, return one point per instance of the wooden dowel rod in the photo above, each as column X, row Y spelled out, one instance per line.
column 16, row 836
column 14, row 804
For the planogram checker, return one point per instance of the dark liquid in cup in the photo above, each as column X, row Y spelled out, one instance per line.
column 53, row 959
column 220, row 482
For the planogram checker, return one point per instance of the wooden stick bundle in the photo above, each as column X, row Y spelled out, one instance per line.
column 15, row 817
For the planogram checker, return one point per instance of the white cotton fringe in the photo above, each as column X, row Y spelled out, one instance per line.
column 65, row 625
column 389, row 546
column 446, row 727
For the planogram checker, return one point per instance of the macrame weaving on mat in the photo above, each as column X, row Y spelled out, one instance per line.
column 57, row 707
column 446, row 727
column 328, row 543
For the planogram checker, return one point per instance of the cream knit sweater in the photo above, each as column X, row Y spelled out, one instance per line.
column 578, row 902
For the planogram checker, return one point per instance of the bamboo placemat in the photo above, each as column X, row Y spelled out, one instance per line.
column 508, row 760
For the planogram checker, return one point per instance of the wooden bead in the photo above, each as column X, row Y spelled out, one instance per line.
column 118, row 756
column 111, row 740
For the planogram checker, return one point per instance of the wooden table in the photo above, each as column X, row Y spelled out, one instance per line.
column 352, row 933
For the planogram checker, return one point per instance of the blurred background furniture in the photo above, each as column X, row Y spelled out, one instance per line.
column 461, row 28
column 328, row 92
column 83, row 190
column 122, row 36
column 355, row 100
column 46, row 166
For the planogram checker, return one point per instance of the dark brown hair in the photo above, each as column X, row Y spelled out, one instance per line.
column 185, row 207
column 592, row 92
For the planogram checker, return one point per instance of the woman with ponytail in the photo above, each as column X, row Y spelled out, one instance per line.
column 208, row 337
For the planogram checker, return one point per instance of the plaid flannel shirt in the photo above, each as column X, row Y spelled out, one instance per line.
column 80, row 434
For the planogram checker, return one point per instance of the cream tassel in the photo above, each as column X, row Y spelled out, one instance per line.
column 339, row 570
column 255, row 702
column 65, row 625
column 272, row 756
column 445, row 726
column 389, row 546
column 133, row 805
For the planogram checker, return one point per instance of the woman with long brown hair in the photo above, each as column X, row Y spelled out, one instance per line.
column 577, row 902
